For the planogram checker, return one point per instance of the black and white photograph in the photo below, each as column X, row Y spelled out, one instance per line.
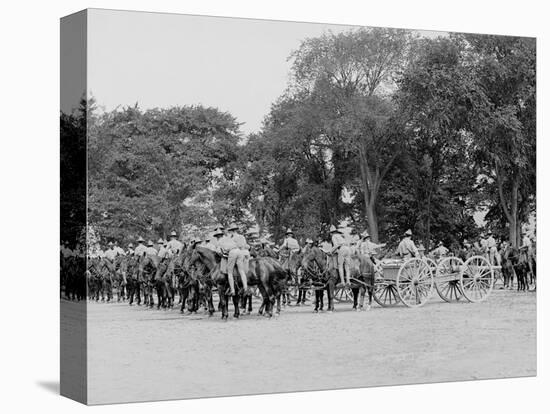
column 334, row 206
column 265, row 207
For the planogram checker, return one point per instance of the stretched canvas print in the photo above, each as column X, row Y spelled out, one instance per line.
column 253, row 206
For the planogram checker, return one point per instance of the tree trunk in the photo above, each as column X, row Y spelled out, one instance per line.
column 369, row 182
column 372, row 220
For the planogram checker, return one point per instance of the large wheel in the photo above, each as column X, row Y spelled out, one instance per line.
column 385, row 292
column 477, row 279
column 447, row 279
column 415, row 282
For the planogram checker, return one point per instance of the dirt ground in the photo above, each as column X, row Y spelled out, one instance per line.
column 135, row 354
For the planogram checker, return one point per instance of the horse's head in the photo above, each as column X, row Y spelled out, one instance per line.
column 314, row 256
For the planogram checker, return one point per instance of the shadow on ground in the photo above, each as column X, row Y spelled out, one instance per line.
column 51, row 386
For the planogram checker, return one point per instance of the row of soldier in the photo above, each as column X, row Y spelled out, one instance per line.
column 236, row 248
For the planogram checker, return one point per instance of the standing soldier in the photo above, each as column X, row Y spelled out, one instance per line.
column 406, row 248
column 341, row 255
column 141, row 249
column 174, row 245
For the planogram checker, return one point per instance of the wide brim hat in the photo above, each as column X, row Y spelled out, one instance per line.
column 160, row 241
column 365, row 234
column 173, row 234
column 130, row 245
column 309, row 241
column 409, row 232
column 217, row 232
column 140, row 240
column 333, row 229
column 110, row 244
column 233, row 226
column 150, row 243
column 289, row 231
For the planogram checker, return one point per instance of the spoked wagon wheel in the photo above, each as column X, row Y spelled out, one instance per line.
column 385, row 292
column 477, row 279
column 415, row 282
column 343, row 294
column 447, row 279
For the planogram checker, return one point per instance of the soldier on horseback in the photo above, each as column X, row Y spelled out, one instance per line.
column 288, row 249
column 141, row 249
column 341, row 254
column 150, row 250
column 367, row 247
column 234, row 244
column 174, row 245
column 111, row 253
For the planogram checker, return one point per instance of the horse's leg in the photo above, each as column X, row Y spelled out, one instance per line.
column 355, row 294
column 236, row 306
column 249, row 310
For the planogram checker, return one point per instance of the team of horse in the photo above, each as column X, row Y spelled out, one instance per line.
column 194, row 274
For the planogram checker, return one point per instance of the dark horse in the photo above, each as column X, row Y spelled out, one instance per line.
column 193, row 282
column 148, row 276
column 319, row 269
column 267, row 275
column 362, row 280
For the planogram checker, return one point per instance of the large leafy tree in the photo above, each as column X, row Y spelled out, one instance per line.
column 149, row 171
column 347, row 78
column 442, row 100
column 505, row 146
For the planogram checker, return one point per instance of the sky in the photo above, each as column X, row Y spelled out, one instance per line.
column 160, row 60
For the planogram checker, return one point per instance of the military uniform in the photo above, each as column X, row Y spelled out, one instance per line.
column 141, row 249
column 174, row 245
column 341, row 254
column 238, row 255
column 406, row 247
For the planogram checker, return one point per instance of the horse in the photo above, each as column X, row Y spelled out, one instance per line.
column 268, row 275
column 100, row 279
column 147, row 271
column 320, row 269
column 133, row 286
column 510, row 258
column 362, row 278
column 291, row 264
column 193, row 282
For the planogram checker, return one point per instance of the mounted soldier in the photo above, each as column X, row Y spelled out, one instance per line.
column 367, row 247
column 406, row 248
column 174, row 245
column 163, row 249
column 491, row 248
column 150, row 250
column 341, row 254
column 141, row 249
column 110, row 253
column 239, row 255
column 130, row 250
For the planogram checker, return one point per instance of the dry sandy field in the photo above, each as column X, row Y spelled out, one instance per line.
column 136, row 354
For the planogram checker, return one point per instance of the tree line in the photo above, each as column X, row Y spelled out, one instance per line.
column 379, row 127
